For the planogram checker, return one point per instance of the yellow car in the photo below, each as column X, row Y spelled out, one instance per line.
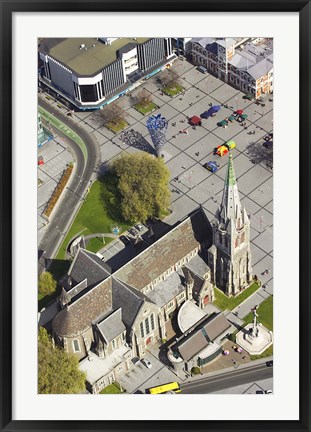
column 223, row 149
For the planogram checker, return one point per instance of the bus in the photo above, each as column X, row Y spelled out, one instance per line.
column 170, row 388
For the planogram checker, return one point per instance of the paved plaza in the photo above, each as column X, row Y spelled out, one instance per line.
column 185, row 154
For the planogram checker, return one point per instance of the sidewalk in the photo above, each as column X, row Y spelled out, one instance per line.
column 231, row 369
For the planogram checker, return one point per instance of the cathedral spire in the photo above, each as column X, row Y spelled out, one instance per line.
column 230, row 207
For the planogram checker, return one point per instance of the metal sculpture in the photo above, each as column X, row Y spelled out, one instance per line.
column 157, row 127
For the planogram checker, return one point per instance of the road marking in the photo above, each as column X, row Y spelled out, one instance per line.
column 65, row 129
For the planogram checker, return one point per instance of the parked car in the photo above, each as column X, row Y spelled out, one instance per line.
column 139, row 227
column 248, row 97
column 260, row 392
column 202, row 69
column 211, row 166
column 269, row 363
column 146, row 363
column 124, row 239
column 268, row 392
column 135, row 360
column 133, row 232
column 268, row 144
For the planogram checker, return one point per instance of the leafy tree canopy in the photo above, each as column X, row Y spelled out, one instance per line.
column 142, row 186
column 58, row 372
column 47, row 284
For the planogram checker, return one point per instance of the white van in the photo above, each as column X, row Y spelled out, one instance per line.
column 202, row 69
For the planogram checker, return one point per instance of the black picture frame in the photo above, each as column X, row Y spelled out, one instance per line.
column 7, row 9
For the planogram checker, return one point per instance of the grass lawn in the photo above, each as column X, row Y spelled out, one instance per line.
column 145, row 107
column 95, row 244
column 173, row 89
column 43, row 300
column 267, row 353
column 223, row 302
column 93, row 216
column 113, row 388
column 117, row 125
column 265, row 314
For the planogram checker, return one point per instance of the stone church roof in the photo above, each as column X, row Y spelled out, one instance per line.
column 165, row 291
column 111, row 326
column 167, row 251
column 88, row 265
column 127, row 298
column 75, row 318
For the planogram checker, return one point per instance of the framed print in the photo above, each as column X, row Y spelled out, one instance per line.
column 153, row 240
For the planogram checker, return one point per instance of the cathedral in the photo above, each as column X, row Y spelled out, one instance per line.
column 108, row 317
column 230, row 255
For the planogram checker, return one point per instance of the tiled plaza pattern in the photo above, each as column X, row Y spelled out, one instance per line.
column 185, row 155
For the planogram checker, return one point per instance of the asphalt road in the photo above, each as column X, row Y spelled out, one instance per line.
column 72, row 197
column 228, row 379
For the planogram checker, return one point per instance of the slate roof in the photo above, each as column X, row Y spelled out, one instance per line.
column 87, row 265
column 202, row 333
column 226, row 42
column 198, row 265
column 166, row 290
column 127, row 298
column 193, row 346
column 112, row 326
column 167, row 251
column 261, row 68
column 77, row 317
column 207, row 43
column 241, row 61
column 216, row 326
column 78, row 289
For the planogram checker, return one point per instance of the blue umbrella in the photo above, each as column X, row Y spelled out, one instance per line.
column 205, row 115
column 215, row 108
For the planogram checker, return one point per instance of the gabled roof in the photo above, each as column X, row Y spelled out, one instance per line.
column 77, row 317
column 112, row 326
column 202, row 333
column 216, row 326
column 87, row 265
column 167, row 251
column 261, row 68
column 127, row 298
column 198, row 265
column 165, row 291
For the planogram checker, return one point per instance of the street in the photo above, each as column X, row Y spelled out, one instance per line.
column 229, row 379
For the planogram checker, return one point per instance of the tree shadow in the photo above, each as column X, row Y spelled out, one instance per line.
column 257, row 153
column 58, row 268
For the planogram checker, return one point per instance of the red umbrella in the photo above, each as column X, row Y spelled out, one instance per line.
column 239, row 112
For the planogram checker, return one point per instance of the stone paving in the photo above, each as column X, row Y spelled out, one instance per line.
column 56, row 157
column 188, row 152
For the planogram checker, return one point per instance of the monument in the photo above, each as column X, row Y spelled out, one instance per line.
column 254, row 337
column 157, row 127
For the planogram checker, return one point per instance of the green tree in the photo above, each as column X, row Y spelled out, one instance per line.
column 142, row 183
column 58, row 372
column 47, row 284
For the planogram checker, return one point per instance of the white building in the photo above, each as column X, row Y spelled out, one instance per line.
column 88, row 72
column 244, row 63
